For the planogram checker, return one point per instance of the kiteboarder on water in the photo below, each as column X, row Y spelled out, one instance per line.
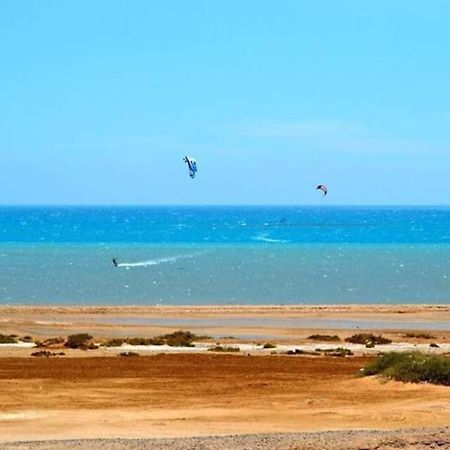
column 114, row 261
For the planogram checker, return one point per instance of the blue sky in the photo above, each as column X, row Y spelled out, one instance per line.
column 100, row 100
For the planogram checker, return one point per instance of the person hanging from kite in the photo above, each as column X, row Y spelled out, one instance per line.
column 192, row 164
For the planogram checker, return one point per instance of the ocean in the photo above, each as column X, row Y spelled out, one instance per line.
column 224, row 255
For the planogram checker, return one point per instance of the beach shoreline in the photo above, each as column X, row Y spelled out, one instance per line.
column 381, row 308
column 280, row 323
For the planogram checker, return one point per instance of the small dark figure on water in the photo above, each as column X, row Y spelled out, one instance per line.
column 114, row 261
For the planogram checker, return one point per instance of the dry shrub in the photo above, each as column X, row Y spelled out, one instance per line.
column 324, row 337
column 4, row 339
column 368, row 339
column 269, row 345
column 46, row 354
column 80, row 340
column 220, row 349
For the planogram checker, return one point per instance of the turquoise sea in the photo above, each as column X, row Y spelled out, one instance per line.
column 224, row 255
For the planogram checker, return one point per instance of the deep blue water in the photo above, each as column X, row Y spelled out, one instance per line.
column 194, row 255
column 197, row 225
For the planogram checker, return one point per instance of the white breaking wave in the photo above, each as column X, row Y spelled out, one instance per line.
column 158, row 261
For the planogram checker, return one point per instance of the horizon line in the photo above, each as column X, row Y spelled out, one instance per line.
column 218, row 205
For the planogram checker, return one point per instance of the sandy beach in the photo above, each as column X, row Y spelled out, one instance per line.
column 167, row 393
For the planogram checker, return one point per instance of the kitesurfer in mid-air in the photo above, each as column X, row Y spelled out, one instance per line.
column 192, row 164
column 115, row 263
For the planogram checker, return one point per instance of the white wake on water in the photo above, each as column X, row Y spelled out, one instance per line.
column 158, row 261
column 266, row 238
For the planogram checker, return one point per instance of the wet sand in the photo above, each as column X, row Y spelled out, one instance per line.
column 280, row 323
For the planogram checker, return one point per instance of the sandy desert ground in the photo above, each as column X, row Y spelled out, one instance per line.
column 194, row 396
column 201, row 395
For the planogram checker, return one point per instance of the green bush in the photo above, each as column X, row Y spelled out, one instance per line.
column 324, row 337
column 412, row 367
column 7, row 339
column 367, row 338
column 81, row 340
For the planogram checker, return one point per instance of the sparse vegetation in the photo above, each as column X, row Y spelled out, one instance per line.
column 140, row 341
column 81, row 340
column 46, row 354
column 177, row 339
column 338, row 352
column 269, row 345
column 27, row 339
column 7, row 339
column 368, row 339
column 420, row 336
column 324, row 337
column 411, row 367
column 115, row 342
column 51, row 343
column 434, row 345
column 219, row 348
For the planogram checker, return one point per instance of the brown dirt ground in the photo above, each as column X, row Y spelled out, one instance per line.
column 192, row 395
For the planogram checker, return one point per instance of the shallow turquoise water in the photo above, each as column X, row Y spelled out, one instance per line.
column 224, row 255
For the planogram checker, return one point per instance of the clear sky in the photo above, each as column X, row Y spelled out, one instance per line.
column 100, row 101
